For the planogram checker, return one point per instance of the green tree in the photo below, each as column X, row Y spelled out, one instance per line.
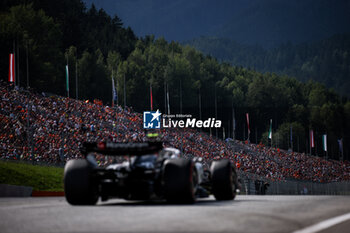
column 94, row 79
column 27, row 28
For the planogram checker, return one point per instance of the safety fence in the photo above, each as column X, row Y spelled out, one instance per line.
column 312, row 188
column 252, row 184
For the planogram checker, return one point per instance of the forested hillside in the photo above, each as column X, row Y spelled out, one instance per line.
column 57, row 31
column 326, row 61
column 54, row 31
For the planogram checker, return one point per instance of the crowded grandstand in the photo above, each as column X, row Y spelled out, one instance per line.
column 50, row 129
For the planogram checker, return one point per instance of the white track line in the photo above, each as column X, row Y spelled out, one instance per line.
column 325, row 224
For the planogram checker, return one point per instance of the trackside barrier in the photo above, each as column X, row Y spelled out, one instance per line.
column 291, row 187
column 7, row 190
column 311, row 188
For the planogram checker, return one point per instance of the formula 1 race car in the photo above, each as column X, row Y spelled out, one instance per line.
column 152, row 172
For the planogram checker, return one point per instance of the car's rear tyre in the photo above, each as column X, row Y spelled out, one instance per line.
column 223, row 177
column 180, row 180
column 79, row 187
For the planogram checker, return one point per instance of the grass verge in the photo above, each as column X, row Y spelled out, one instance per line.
column 43, row 178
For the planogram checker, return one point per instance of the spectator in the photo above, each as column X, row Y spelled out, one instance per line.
column 58, row 126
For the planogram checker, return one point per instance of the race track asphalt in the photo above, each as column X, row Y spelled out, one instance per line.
column 244, row 214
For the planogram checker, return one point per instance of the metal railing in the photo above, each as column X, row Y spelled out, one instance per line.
column 307, row 187
column 253, row 184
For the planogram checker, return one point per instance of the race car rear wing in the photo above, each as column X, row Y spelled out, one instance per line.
column 120, row 149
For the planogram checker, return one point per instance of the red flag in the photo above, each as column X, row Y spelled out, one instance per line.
column 312, row 141
column 151, row 97
column 12, row 68
column 247, row 115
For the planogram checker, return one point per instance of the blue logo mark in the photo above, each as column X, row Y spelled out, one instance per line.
column 151, row 120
